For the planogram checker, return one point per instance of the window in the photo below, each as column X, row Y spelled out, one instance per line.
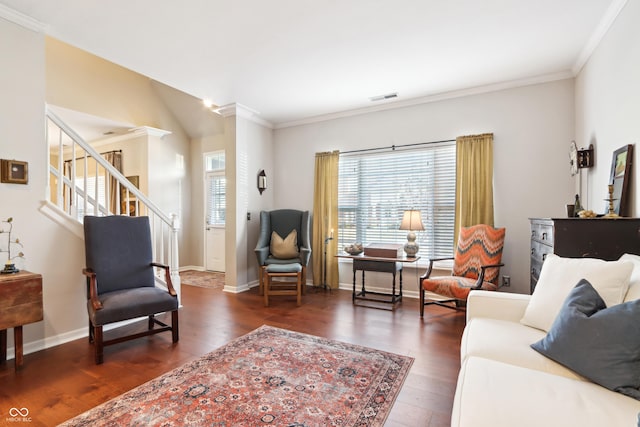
column 216, row 188
column 375, row 188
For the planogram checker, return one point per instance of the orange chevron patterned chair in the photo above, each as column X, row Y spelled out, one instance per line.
column 476, row 265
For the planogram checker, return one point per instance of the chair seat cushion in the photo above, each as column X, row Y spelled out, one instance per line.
column 272, row 260
column 454, row 286
column 131, row 303
column 284, row 268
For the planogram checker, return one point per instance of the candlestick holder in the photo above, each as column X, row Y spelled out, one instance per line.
column 610, row 199
column 324, row 269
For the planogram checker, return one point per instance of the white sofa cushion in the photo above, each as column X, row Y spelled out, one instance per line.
column 634, row 282
column 560, row 275
column 508, row 342
column 496, row 394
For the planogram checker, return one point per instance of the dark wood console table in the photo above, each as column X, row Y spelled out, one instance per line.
column 383, row 265
column 20, row 303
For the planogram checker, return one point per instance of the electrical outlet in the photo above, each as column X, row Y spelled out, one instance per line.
column 506, row 281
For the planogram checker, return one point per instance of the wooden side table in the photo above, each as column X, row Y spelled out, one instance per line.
column 378, row 264
column 20, row 303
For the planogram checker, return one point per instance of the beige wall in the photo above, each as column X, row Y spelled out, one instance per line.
column 79, row 81
column 199, row 147
column 248, row 148
column 532, row 127
column 50, row 250
column 608, row 106
column 44, row 71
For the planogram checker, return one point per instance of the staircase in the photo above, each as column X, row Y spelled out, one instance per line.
column 82, row 182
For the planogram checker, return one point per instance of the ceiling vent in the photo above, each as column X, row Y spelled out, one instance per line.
column 384, row 97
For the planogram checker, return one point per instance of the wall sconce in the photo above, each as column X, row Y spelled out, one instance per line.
column 262, row 181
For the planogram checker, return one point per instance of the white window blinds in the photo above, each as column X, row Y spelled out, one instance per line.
column 375, row 188
column 216, row 188
column 216, row 199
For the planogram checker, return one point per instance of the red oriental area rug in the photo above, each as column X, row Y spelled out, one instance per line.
column 268, row 377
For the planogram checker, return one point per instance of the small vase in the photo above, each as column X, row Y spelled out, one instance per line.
column 9, row 269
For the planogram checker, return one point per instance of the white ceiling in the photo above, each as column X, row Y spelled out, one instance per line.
column 292, row 60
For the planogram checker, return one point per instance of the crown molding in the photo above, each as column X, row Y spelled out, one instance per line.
column 601, row 30
column 149, row 131
column 511, row 84
column 136, row 132
column 23, row 20
column 239, row 110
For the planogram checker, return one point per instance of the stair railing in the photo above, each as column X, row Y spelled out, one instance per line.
column 70, row 190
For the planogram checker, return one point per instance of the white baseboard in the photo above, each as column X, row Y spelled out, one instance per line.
column 191, row 267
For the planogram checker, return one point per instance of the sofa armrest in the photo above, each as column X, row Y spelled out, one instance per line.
column 496, row 305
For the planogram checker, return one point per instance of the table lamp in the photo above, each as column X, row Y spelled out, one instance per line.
column 412, row 221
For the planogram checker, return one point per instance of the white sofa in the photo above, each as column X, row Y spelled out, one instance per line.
column 504, row 382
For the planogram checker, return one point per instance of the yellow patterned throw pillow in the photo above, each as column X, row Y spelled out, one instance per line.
column 284, row 248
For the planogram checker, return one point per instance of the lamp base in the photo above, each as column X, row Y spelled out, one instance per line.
column 411, row 247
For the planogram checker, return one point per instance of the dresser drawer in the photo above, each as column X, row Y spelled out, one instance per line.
column 534, row 275
column 542, row 232
column 539, row 251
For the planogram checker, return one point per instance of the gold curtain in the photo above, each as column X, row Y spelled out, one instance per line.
column 115, row 158
column 325, row 219
column 474, row 181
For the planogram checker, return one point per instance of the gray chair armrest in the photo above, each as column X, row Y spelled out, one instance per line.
column 262, row 247
column 262, row 254
column 305, row 241
column 305, row 254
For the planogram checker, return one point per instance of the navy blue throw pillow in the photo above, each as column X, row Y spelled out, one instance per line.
column 599, row 343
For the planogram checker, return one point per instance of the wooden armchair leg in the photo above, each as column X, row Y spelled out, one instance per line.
column 98, row 344
column 421, row 301
column 91, row 339
column 261, row 272
column 151, row 322
column 304, row 280
column 266, row 288
column 174, row 326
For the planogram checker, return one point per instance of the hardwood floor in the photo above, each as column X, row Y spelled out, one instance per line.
column 60, row 382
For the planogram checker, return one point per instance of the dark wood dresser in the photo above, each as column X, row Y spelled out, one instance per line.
column 600, row 238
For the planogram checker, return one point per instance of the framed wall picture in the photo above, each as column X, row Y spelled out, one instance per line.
column 14, row 171
column 620, row 178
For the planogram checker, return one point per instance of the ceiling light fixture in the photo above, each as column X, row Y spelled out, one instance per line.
column 383, row 97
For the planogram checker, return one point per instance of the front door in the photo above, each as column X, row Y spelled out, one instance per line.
column 215, row 197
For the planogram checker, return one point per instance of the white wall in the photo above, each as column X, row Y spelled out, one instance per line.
column 532, row 127
column 50, row 250
column 608, row 105
column 261, row 156
column 248, row 148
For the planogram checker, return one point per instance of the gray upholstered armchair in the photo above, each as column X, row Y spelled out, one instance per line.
column 283, row 222
column 121, row 280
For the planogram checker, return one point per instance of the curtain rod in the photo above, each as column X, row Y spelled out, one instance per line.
column 393, row 147
column 106, row 152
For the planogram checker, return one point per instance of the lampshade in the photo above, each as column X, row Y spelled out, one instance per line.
column 411, row 220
